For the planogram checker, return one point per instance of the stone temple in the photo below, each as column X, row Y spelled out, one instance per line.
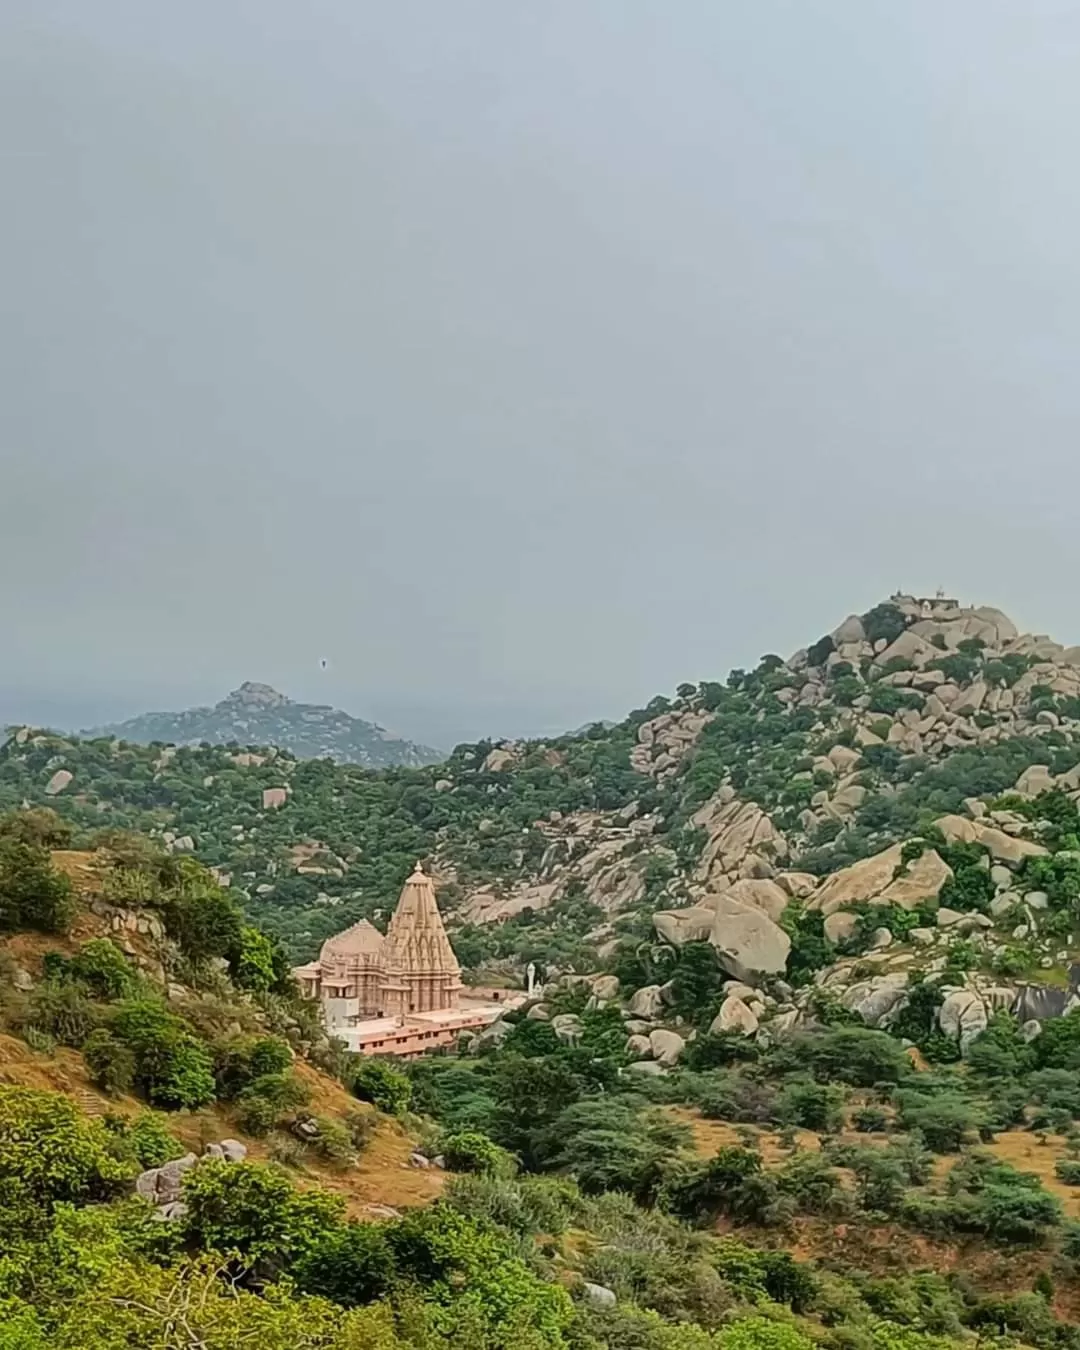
column 398, row 994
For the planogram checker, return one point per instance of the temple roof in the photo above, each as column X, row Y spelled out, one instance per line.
column 362, row 939
column 416, row 941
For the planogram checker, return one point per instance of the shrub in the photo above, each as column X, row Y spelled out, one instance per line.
column 811, row 1106
column 171, row 1066
column 38, row 826
column 471, row 1151
column 103, row 968
column 885, row 621
column 144, row 1139
column 945, row 1120
column 200, row 916
column 375, row 1081
column 870, row 1120
column 32, row 893
column 48, row 1153
column 63, row 1011
column 857, row 1056
column 110, row 1062
column 264, row 1102
column 334, row 1143
column 253, row 1210
column 240, row 1060
column 39, row 1041
column 352, row 1265
column 251, row 962
column 1068, row 1171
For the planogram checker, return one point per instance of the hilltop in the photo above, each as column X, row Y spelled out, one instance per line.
column 257, row 715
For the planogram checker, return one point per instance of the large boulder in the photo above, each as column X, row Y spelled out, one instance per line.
column 679, row 926
column 879, row 1000
column 861, row 881
column 738, row 835
column 568, row 1027
column 840, row 925
column 1005, row 847
column 1042, row 1002
column 638, row 1046
column 748, row 943
column 921, row 881
column 962, row 1017
column 647, row 1003
column 765, row 895
column 605, row 987
column 1035, row 779
column 667, row 1046
column 957, row 829
column 734, row 1015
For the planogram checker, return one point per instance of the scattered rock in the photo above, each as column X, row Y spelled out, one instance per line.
column 667, row 1046
column 962, row 1017
column 568, row 1027
column 647, row 1002
column 647, row 1067
column 58, row 782
column 736, row 1016
column 599, row 1295
column 840, row 925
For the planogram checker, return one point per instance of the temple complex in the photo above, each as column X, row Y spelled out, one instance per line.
column 398, row 994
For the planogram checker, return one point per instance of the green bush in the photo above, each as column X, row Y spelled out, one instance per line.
column 240, row 1060
column 63, row 1011
column 375, row 1081
column 1068, row 1171
column 32, row 893
column 145, row 1139
column 945, row 1120
column 104, row 969
column 172, row 1066
column 50, row 1154
column 252, row 1210
column 471, row 1151
column 264, row 1102
column 111, row 1063
column 352, row 1264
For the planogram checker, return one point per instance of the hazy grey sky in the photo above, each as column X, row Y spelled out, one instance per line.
column 523, row 357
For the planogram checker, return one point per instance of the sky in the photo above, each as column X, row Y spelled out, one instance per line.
column 521, row 360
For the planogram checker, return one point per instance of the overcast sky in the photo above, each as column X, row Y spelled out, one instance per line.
column 522, row 358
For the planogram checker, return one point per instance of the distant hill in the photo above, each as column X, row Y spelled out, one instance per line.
column 256, row 714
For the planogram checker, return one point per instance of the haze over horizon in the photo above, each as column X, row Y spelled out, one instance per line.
column 522, row 361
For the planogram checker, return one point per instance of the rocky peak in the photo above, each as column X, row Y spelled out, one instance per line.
column 251, row 694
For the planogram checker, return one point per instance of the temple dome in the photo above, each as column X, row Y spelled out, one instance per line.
column 362, row 939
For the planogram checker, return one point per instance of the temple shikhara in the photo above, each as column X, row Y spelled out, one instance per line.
column 400, row 994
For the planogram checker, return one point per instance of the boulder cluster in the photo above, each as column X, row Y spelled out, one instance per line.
column 163, row 1186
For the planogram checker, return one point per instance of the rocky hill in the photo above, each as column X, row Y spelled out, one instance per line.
column 547, row 850
column 256, row 715
column 802, row 1069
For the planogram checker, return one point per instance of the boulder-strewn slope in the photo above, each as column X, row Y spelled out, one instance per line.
column 551, row 850
column 257, row 715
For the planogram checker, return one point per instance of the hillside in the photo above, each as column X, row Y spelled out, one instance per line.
column 812, row 762
column 256, row 715
column 802, row 1074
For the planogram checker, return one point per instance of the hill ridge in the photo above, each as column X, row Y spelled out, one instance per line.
column 256, row 714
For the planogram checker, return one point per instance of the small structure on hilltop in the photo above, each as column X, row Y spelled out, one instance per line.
column 400, row 994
